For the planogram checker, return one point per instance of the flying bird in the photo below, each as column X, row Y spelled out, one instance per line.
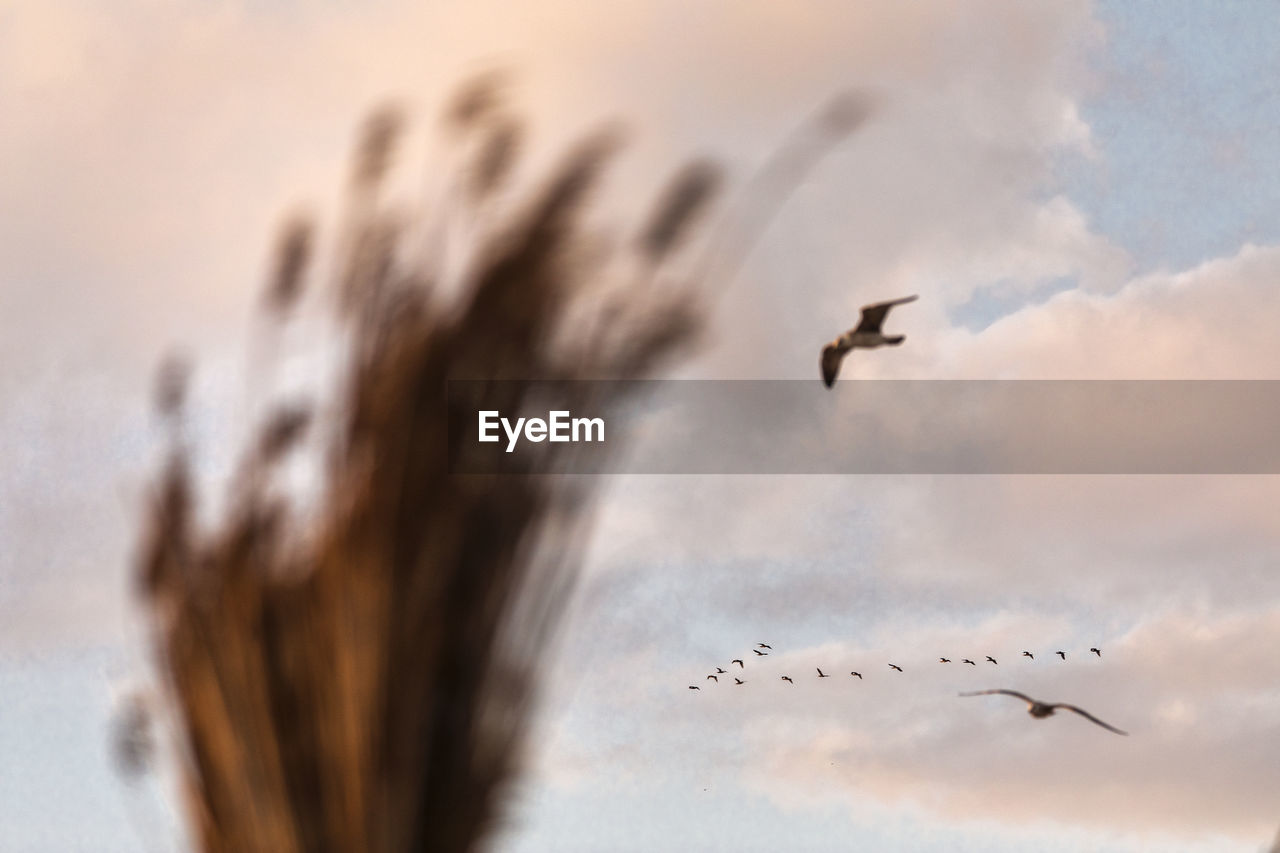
column 866, row 335
column 713, row 678
column 966, row 660
column 895, row 666
column 694, row 687
column 944, row 660
column 788, row 679
column 1028, row 655
column 1040, row 710
column 1062, row 655
column 738, row 662
column 1097, row 652
column 762, row 654
column 821, row 674
column 858, row 674
column 719, row 671
column 738, row 681
column 993, row 660
column 764, row 646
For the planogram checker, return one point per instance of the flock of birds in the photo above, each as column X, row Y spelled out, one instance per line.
column 869, row 335
column 1035, row 707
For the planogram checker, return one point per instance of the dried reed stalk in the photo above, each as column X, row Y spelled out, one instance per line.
column 366, row 687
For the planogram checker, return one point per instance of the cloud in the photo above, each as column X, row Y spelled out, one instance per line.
column 1198, row 761
column 159, row 145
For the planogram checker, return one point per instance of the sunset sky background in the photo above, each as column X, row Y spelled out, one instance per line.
column 1076, row 190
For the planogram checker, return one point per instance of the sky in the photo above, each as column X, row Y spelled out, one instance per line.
column 1076, row 190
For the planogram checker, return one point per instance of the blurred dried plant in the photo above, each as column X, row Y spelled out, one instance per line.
column 360, row 677
column 366, row 686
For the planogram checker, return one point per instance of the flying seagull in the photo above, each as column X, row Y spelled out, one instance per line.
column 1040, row 710
column 966, row 660
column 738, row 662
column 944, row 660
column 1028, row 655
column 719, row 671
column 713, row 678
column 693, row 687
column 821, row 674
column 788, row 679
column 737, row 680
column 762, row 654
column 895, row 666
column 1097, row 652
column 858, row 674
column 764, row 646
column 866, row 335
column 993, row 660
column 1062, row 655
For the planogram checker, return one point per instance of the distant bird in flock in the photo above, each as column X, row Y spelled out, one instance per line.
column 993, row 660
column 895, row 666
column 713, row 678
column 856, row 674
column 1028, row 655
column 694, row 687
column 787, row 679
column 866, row 335
column 944, row 660
column 738, row 662
column 821, row 674
column 1040, row 710
column 719, row 671
column 764, row 646
column 738, row 681
column 1097, row 652
column 966, row 660
column 1062, row 655
column 762, row 654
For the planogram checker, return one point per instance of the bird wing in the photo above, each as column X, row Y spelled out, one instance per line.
column 831, row 358
column 873, row 315
column 1090, row 717
column 738, row 662
column 1024, row 697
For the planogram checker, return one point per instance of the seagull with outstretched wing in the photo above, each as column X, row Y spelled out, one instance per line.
column 866, row 335
column 821, row 674
column 760, row 653
column 713, row 678
column 787, row 679
column 993, row 660
column 738, row 662
column 895, row 666
column 1040, row 710
column 1097, row 652
column 857, row 674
